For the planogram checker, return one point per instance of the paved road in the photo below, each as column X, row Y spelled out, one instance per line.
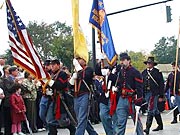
column 169, row 129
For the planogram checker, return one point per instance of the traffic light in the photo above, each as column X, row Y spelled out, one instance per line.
column 168, row 14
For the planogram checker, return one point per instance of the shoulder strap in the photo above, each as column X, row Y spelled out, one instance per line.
column 152, row 78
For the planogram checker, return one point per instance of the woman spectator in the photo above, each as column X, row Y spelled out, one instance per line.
column 30, row 99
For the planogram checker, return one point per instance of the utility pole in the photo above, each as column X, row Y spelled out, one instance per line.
column 138, row 7
column 93, row 32
column 93, row 48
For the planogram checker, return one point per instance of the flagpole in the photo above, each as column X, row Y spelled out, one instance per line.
column 75, row 4
column 14, row 21
column 15, row 25
column 93, row 48
column 176, row 62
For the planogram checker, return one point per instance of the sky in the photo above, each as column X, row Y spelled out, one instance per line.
column 136, row 30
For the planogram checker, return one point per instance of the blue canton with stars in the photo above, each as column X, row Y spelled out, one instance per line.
column 11, row 17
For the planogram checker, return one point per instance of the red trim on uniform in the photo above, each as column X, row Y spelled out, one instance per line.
column 138, row 80
column 66, row 89
column 113, row 103
column 151, row 103
column 58, row 110
column 139, row 100
column 63, row 81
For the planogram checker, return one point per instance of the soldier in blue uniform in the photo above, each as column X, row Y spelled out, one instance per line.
column 153, row 87
column 129, row 88
column 106, row 106
column 175, row 95
column 83, row 79
column 56, row 114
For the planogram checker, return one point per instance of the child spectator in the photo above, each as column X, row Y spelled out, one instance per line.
column 18, row 110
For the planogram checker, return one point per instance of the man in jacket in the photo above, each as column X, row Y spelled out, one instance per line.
column 175, row 95
column 56, row 108
column 129, row 88
column 153, row 86
column 82, row 96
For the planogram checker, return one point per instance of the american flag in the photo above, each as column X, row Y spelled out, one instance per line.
column 23, row 51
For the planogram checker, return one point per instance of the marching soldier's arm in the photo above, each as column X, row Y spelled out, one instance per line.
column 88, row 77
column 139, row 87
column 167, row 84
column 161, row 85
column 61, row 82
column 112, row 77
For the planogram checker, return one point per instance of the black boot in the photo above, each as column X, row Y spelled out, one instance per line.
column 72, row 129
column 159, row 122
column 148, row 124
column 52, row 130
column 175, row 113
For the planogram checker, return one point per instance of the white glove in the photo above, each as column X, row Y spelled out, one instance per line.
column 74, row 76
column 51, row 82
column 172, row 99
column 107, row 94
column 76, row 64
column 1, row 91
column 109, row 84
column 71, row 81
column 49, row 92
column 114, row 70
column 137, row 108
column 104, row 71
column 114, row 89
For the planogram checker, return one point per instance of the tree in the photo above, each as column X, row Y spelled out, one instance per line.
column 9, row 57
column 63, row 50
column 137, row 59
column 53, row 40
column 42, row 36
column 63, row 43
column 165, row 50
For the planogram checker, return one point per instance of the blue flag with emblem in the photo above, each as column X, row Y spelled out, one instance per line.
column 99, row 20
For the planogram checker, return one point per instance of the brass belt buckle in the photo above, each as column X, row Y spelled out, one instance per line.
column 123, row 92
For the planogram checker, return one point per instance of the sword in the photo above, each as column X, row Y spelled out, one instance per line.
column 172, row 110
column 68, row 112
column 137, row 108
column 144, row 104
column 27, row 123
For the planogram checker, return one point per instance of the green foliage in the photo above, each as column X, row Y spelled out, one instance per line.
column 137, row 59
column 53, row 40
column 42, row 36
column 165, row 50
column 63, row 50
column 9, row 57
column 63, row 43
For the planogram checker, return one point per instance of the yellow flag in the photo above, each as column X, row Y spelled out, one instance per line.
column 2, row 6
column 80, row 44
